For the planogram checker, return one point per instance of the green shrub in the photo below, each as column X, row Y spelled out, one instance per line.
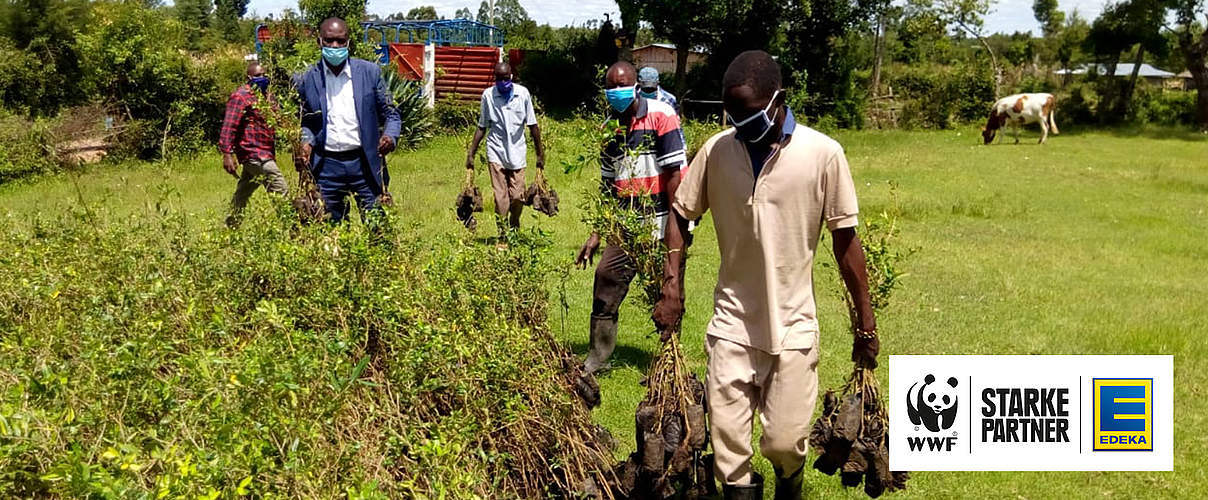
column 165, row 356
column 453, row 115
column 1164, row 107
column 943, row 97
column 1078, row 103
column 412, row 108
column 25, row 148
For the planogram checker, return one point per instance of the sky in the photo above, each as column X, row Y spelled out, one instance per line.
column 1006, row 15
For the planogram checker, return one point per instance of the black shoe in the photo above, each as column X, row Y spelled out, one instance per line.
column 789, row 488
column 752, row 491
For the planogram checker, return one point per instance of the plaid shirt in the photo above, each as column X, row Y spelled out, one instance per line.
column 244, row 130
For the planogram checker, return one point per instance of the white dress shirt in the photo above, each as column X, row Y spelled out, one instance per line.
column 343, row 131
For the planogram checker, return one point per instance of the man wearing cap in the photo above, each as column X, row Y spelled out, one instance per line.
column 772, row 185
column 506, row 110
column 648, row 82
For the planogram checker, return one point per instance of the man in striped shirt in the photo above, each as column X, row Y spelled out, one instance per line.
column 641, row 162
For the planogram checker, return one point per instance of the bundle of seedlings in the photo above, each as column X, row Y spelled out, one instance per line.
column 540, row 196
column 308, row 202
column 670, row 421
column 283, row 113
column 468, row 201
column 851, row 436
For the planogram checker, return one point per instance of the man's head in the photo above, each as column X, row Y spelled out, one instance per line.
column 648, row 80
column 255, row 69
column 256, row 76
column 333, row 39
column 620, row 86
column 751, row 86
column 503, row 71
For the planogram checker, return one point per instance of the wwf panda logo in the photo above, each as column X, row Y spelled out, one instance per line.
column 932, row 405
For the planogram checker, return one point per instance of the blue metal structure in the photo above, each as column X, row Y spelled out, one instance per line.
column 439, row 32
column 462, row 32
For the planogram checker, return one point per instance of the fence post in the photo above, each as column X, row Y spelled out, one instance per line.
column 430, row 73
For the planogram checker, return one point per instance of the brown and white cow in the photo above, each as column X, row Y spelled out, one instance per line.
column 1019, row 110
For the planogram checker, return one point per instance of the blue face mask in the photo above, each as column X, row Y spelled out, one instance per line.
column 755, row 127
column 504, row 87
column 620, row 98
column 260, row 82
column 651, row 94
column 335, row 56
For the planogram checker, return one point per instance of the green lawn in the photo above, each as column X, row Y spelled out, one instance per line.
column 1091, row 244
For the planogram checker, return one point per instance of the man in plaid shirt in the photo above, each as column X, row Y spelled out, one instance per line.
column 247, row 139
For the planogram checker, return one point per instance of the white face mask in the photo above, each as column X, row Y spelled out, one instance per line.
column 751, row 128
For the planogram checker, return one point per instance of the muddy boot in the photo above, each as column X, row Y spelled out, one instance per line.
column 753, row 491
column 603, row 341
column 789, row 488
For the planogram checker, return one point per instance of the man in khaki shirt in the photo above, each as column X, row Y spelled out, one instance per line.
column 772, row 184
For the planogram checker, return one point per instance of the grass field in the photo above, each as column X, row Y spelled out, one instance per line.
column 1091, row 244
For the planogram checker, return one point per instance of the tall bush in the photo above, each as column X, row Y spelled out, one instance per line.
column 166, row 357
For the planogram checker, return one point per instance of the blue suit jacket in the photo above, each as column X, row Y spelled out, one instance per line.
column 376, row 113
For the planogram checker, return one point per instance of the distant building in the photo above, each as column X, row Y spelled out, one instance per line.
column 1154, row 76
column 661, row 56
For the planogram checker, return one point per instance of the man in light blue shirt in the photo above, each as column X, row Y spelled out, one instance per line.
column 506, row 109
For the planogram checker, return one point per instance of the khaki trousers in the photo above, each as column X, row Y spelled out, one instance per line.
column 508, row 186
column 781, row 387
column 255, row 173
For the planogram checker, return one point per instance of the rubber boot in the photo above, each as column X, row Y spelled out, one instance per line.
column 789, row 488
column 752, row 491
column 603, row 341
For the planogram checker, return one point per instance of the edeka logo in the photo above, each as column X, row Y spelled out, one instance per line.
column 1123, row 414
column 934, row 406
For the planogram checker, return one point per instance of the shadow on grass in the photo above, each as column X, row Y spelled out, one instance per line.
column 624, row 355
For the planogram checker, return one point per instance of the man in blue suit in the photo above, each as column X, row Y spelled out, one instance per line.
column 349, row 123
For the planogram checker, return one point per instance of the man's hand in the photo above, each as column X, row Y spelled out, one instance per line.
column 302, row 156
column 669, row 309
column 385, row 145
column 541, row 161
column 230, row 164
column 864, row 350
column 587, row 253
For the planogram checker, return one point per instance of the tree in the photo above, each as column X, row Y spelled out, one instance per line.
column 424, row 12
column 818, row 43
column 1049, row 16
column 687, row 24
column 463, row 13
column 351, row 11
column 43, row 31
column 1119, row 28
column 195, row 15
column 1070, row 40
column 968, row 16
column 509, row 14
column 1192, row 41
column 226, row 17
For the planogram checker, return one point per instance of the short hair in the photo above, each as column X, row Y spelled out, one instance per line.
column 755, row 69
column 332, row 20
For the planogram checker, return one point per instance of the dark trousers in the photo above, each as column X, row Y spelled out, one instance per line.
column 339, row 178
column 614, row 272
